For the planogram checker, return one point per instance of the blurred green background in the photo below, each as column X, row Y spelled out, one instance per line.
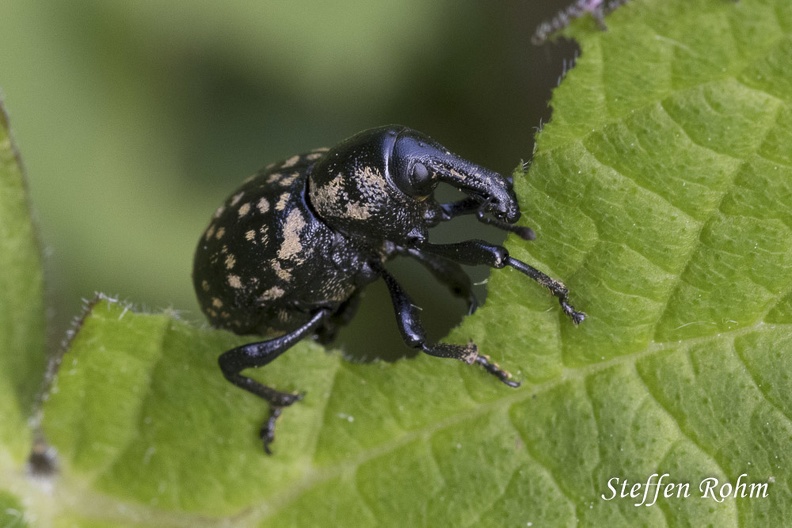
column 136, row 120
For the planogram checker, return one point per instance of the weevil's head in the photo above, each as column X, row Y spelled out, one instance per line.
column 380, row 183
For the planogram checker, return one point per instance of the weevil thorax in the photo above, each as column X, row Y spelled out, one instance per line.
column 352, row 189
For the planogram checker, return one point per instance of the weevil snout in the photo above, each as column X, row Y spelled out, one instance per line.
column 491, row 190
column 421, row 164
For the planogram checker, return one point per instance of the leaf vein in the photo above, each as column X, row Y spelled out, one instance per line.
column 758, row 385
column 538, row 460
column 688, row 434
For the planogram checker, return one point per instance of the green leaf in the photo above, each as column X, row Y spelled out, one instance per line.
column 22, row 356
column 11, row 512
column 661, row 194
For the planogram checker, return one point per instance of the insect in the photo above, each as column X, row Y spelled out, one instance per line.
column 289, row 252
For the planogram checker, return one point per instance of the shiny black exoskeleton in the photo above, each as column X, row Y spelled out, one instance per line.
column 289, row 252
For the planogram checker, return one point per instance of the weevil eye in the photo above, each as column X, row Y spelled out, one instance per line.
column 420, row 178
column 416, row 182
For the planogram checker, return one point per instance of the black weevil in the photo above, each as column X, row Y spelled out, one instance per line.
column 288, row 253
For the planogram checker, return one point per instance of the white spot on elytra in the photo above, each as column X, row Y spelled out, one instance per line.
column 291, row 162
column 244, row 209
column 263, row 205
column 285, row 182
column 282, row 201
column 283, row 274
column 234, row 281
column 273, row 293
column 235, row 199
column 230, row 261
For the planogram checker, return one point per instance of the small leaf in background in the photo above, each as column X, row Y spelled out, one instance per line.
column 660, row 194
column 11, row 512
column 22, row 357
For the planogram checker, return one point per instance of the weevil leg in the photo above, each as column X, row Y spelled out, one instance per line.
column 459, row 208
column 472, row 206
column 496, row 370
column 477, row 252
column 449, row 273
column 414, row 335
column 326, row 333
column 233, row 362
column 524, row 232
